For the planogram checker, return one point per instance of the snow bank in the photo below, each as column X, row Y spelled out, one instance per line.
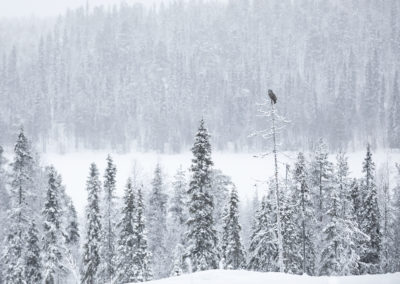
column 250, row 277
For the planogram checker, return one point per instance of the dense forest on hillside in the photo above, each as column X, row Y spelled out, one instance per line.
column 131, row 77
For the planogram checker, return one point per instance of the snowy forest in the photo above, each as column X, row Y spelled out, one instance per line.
column 130, row 77
column 302, row 84
column 322, row 222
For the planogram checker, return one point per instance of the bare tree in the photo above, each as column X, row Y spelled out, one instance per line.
column 268, row 109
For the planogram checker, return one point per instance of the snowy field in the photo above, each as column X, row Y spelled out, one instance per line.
column 246, row 171
column 250, row 277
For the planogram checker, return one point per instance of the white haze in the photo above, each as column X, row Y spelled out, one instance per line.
column 46, row 8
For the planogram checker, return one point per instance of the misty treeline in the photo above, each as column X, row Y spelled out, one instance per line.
column 131, row 77
column 331, row 224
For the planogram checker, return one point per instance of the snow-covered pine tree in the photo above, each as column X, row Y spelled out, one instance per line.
column 356, row 201
column 331, row 235
column 321, row 177
column 232, row 248
column 126, row 269
column 72, row 229
column 179, row 265
column 201, row 235
column 177, row 208
column 5, row 197
column 263, row 250
column 306, row 217
column 395, row 256
column 20, row 212
column 394, row 116
column 221, row 185
column 223, row 239
column 157, row 226
column 142, row 257
column 340, row 254
column 351, row 234
column 72, row 238
column 33, row 270
column 91, row 248
column 54, row 248
column 370, row 222
column 177, row 219
column 387, row 219
column 5, row 204
column 321, row 184
column 247, row 218
column 109, row 219
column 291, row 231
column 356, row 214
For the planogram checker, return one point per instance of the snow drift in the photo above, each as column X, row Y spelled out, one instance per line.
column 251, row 277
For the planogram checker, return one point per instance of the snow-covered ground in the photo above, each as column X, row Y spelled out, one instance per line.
column 245, row 170
column 250, row 277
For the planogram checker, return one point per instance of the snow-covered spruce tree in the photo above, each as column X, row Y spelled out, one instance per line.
column 356, row 215
column 395, row 256
column 91, row 248
column 54, row 248
column 331, row 237
column 221, row 185
column 232, row 249
column 340, row 254
column 109, row 219
column 5, row 203
column 33, row 270
column 176, row 222
column 351, row 233
column 179, row 265
column 126, row 270
column 370, row 222
column 394, row 116
column 157, row 226
column 72, row 229
column 387, row 219
column 177, row 206
column 320, row 177
column 306, row 217
column 263, row 250
column 68, row 227
column 20, row 212
column 72, row 238
column 247, row 218
column 291, row 231
column 142, row 255
column 201, row 235
column 321, row 184
column 356, row 201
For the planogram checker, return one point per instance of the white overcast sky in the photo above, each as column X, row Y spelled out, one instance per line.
column 40, row 8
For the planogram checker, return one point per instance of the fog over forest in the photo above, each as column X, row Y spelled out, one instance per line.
column 130, row 77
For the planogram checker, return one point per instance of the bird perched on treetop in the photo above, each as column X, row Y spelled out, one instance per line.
column 272, row 96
